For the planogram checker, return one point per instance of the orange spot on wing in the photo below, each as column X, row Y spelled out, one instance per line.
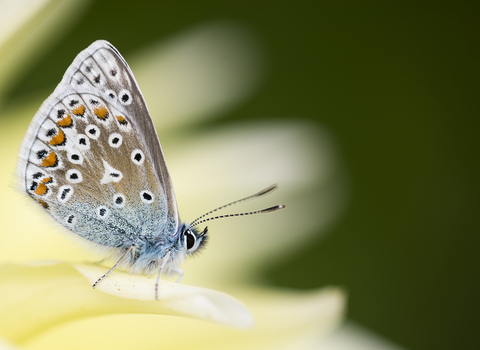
column 50, row 160
column 47, row 180
column 41, row 189
column 121, row 120
column 45, row 205
column 58, row 139
column 65, row 122
column 101, row 112
column 79, row 111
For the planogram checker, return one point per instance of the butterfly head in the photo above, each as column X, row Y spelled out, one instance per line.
column 191, row 240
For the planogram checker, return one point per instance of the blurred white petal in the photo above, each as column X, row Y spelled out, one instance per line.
column 173, row 298
column 37, row 298
column 28, row 29
column 6, row 346
column 15, row 14
column 352, row 336
column 282, row 318
column 198, row 73
column 229, row 163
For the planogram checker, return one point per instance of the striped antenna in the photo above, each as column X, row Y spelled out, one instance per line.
column 256, row 195
column 267, row 210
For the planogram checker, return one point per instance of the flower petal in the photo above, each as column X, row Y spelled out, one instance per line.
column 232, row 162
column 25, row 23
column 175, row 298
column 15, row 14
column 352, row 336
column 6, row 346
column 284, row 320
column 199, row 73
column 36, row 298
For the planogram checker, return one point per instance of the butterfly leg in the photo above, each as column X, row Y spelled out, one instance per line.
column 128, row 251
column 164, row 262
column 180, row 273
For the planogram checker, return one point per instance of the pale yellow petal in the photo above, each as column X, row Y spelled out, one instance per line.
column 4, row 345
column 215, row 168
column 16, row 14
column 283, row 320
column 352, row 336
column 37, row 298
column 198, row 73
column 173, row 298
column 29, row 29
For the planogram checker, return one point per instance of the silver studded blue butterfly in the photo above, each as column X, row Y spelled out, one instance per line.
column 91, row 157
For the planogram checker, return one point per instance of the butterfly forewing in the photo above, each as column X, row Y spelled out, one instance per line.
column 102, row 66
column 92, row 158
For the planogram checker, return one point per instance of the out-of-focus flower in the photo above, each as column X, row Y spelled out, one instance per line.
column 51, row 305
column 28, row 29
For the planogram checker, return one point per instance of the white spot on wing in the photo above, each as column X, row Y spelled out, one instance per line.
column 75, row 158
column 125, row 97
column 82, row 142
column 111, row 174
column 70, row 220
column 74, row 176
column 119, row 200
column 92, row 131
column 102, row 212
column 147, row 197
column 137, row 156
column 115, row 140
column 111, row 96
column 64, row 193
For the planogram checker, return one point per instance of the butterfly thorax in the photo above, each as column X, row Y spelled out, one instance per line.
column 148, row 253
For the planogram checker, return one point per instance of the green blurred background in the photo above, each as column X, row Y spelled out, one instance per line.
column 396, row 85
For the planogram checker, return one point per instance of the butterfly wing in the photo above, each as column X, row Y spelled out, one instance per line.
column 91, row 156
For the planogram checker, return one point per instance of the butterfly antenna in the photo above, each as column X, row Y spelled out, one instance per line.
column 267, row 210
column 256, row 195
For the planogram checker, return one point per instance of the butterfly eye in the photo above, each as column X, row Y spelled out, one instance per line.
column 189, row 240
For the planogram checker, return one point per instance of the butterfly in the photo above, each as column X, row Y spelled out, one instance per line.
column 92, row 159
